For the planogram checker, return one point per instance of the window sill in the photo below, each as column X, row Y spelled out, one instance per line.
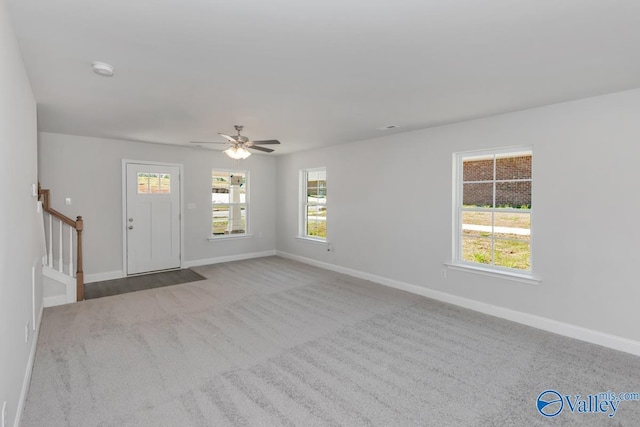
column 230, row 237
column 311, row 239
column 523, row 278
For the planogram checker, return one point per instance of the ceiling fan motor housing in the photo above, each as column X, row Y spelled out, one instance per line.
column 239, row 141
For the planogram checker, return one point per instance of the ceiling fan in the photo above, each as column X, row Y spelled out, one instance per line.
column 239, row 144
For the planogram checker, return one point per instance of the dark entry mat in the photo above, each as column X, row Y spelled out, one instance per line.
column 139, row 283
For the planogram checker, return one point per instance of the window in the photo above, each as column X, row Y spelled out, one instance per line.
column 493, row 202
column 154, row 183
column 313, row 218
column 229, row 203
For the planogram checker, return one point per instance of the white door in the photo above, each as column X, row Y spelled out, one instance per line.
column 152, row 217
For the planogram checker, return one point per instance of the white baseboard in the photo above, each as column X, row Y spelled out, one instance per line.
column 110, row 275
column 99, row 277
column 240, row 257
column 566, row 329
column 27, row 375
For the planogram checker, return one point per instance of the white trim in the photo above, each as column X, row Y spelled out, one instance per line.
column 561, row 328
column 27, row 375
column 229, row 258
column 511, row 150
column 69, row 283
column 508, row 275
column 313, row 240
column 37, row 266
column 99, row 277
column 58, row 276
column 54, row 300
column 230, row 236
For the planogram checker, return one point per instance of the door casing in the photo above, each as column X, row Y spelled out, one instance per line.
column 125, row 162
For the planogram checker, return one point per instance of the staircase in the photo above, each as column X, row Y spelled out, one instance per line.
column 63, row 240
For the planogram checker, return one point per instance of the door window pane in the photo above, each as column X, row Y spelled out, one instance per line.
column 154, row 183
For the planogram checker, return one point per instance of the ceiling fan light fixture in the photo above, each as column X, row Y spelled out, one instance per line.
column 237, row 153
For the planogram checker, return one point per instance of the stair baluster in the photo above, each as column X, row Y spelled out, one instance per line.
column 64, row 221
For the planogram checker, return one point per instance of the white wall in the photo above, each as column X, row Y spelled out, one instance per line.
column 390, row 210
column 19, row 241
column 89, row 171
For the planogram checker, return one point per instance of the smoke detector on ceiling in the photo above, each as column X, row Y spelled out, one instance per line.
column 103, row 69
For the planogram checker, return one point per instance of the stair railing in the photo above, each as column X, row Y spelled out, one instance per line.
column 57, row 255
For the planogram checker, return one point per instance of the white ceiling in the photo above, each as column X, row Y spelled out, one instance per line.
column 314, row 72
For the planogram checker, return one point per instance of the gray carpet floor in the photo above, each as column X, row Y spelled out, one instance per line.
column 273, row 342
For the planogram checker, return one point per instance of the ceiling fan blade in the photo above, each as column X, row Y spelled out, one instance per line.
column 208, row 142
column 230, row 138
column 266, row 142
column 255, row 147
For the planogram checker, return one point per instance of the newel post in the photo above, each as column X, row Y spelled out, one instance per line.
column 79, row 271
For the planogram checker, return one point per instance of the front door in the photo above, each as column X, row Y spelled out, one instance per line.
column 152, row 217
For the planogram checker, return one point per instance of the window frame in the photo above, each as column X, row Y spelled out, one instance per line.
column 458, row 262
column 303, row 204
column 246, row 205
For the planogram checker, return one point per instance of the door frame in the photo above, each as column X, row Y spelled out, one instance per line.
column 180, row 167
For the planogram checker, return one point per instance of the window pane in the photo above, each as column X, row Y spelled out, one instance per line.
column 476, row 249
column 220, row 219
column 315, row 199
column 237, row 219
column 143, row 183
column 237, row 179
column 313, row 211
column 317, row 183
column 316, row 228
column 154, row 183
column 477, row 170
column 477, row 218
column 513, row 254
column 220, row 182
column 512, row 225
column 314, row 217
column 220, row 198
column 165, row 183
column 513, row 167
column 315, row 176
column 513, row 194
column 477, row 224
column 316, row 221
column 229, row 197
column 238, row 188
column 478, row 194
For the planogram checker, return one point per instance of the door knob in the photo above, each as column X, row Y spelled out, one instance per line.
column 131, row 227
